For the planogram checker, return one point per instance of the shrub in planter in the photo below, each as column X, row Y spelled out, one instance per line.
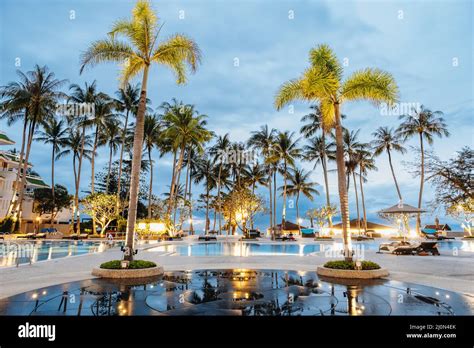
column 135, row 264
column 350, row 265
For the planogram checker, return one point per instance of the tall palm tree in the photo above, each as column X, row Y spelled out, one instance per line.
column 263, row 141
column 425, row 124
column 366, row 162
column 128, row 99
column 219, row 151
column 151, row 139
column 252, row 176
column 387, row 140
column 87, row 95
column 54, row 133
column 139, row 52
column 111, row 137
column 300, row 185
column 323, row 82
column 206, row 171
column 44, row 93
column 320, row 151
column 285, row 151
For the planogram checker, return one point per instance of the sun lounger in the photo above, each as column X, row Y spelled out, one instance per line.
column 207, row 238
column 391, row 247
column 406, row 250
column 25, row 236
column 40, row 236
column 429, row 247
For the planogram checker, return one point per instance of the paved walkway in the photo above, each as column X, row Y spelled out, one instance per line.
column 455, row 273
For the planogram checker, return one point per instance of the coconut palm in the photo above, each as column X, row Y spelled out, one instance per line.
column 252, row 176
column 54, row 133
column 44, row 94
column 285, row 152
column 111, row 137
column 137, row 54
column 87, row 95
column 319, row 151
column 365, row 161
column 425, row 124
column 206, row 171
column 387, row 140
column 128, row 99
column 300, row 185
column 323, row 83
column 263, row 141
column 151, row 139
column 219, row 150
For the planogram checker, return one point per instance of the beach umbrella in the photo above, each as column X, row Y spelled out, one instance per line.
column 402, row 212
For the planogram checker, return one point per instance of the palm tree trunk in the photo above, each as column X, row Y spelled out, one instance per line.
column 207, row 207
column 25, row 168
column 96, row 139
column 363, row 200
column 77, row 228
column 357, row 200
column 274, row 198
column 186, row 187
column 422, row 181
column 52, row 184
column 341, row 181
column 150, row 186
column 191, row 228
column 298, row 212
column 136, row 164
column 109, row 170
column 271, row 202
column 393, row 174
column 20, row 164
column 75, row 186
column 283, row 215
column 326, row 184
column 122, row 147
column 251, row 216
column 219, row 197
column 176, row 178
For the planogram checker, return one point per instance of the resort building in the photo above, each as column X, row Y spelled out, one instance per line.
column 9, row 166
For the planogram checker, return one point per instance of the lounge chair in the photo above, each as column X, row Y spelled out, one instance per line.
column 429, row 247
column 362, row 238
column 288, row 238
column 406, row 250
column 25, row 236
column 207, row 238
column 39, row 236
column 392, row 246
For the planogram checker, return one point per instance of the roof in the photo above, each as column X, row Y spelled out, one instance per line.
column 5, row 140
column 289, row 226
column 401, row 209
column 11, row 157
column 36, row 181
column 443, row 227
column 370, row 225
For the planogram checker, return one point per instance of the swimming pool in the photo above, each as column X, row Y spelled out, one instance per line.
column 295, row 249
column 21, row 252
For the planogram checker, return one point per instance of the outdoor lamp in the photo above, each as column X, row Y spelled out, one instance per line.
column 124, row 264
column 358, row 265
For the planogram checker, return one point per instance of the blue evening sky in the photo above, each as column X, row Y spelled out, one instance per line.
column 426, row 45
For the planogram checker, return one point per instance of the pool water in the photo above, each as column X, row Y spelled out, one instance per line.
column 262, row 249
column 24, row 252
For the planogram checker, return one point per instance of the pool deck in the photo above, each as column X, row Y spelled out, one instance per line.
column 450, row 272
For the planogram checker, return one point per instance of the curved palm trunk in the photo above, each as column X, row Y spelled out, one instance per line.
column 20, row 164
column 251, row 216
column 207, row 207
column 77, row 226
column 75, row 186
column 271, row 204
column 298, row 211
column 181, row 215
column 341, row 182
column 136, row 164
column 283, row 214
column 176, row 176
column 326, row 184
column 219, row 197
column 191, row 227
column 393, row 174
column 274, row 198
column 422, row 181
column 150, row 186
column 363, row 200
column 52, row 184
column 109, row 170
column 119, row 182
column 357, row 200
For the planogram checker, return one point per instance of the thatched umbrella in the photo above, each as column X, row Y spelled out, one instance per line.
column 402, row 212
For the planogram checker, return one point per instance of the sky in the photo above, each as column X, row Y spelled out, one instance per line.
column 249, row 49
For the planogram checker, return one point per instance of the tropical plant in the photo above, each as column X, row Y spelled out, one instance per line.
column 151, row 139
column 45, row 203
column 137, row 54
column 101, row 207
column 111, row 137
column 387, row 140
column 425, row 124
column 323, row 83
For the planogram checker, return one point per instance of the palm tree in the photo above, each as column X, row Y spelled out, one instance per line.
column 425, row 124
column 319, row 151
column 44, row 94
column 111, row 137
column 219, row 150
column 77, row 145
column 151, row 139
column 300, row 184
column 87, row 95
column 323, row 83
column 53, row 133
column 263, row 141
column 252, row 176
column 285, row 151
column 387, row 140
column 128, row 99
column 366, row 162
column 138, row 53
column 206, row 171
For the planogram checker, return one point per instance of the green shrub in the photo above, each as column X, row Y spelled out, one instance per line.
column 342, row 264
column 135, row 264
column 7, row 224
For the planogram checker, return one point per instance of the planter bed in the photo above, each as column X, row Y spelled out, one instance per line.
column 127, row 273
column 352, row 274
